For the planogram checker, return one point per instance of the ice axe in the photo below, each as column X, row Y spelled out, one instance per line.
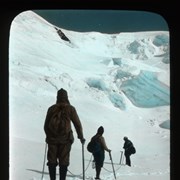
column 44, row 162
column 120, row 162
column 112, row 164
column 83, row 159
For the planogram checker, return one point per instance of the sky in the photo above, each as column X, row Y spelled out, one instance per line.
column 120, row 81
column 106, row 21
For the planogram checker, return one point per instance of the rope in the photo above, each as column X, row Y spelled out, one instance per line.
column 121, row 160
column 85, row 169
column 112, row 171
column 77, row 175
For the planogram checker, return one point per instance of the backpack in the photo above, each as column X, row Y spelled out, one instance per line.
column 57, row 123
column 93, row 146
column 133, row 150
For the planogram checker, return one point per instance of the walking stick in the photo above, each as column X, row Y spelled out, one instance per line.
column 112, row 164
column 83, row 161
column 44, row 162
column 121, row 158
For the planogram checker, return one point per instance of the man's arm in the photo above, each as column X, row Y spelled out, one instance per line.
column 77, row 124
column 104, row 144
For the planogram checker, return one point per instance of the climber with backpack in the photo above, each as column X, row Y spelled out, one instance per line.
column 97, row 146
column 129, row 150
column 59, row 135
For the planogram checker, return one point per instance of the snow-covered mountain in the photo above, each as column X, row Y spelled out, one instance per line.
column 120, row 81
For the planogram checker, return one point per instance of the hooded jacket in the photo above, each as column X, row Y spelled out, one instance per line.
column 98, row 136
column 72, row 116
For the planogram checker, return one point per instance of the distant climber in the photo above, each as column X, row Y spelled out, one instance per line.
column 62, row 35
column 129, row 150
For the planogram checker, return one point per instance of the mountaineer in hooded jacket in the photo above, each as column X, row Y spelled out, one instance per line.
column 59, row 145
column 99, row 156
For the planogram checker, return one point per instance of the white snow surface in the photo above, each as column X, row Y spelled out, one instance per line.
column 120, row 81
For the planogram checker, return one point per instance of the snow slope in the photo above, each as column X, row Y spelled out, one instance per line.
column 120, row 81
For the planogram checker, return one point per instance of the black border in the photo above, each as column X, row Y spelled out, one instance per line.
column 168, row 10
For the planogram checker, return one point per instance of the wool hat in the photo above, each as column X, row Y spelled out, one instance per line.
column 125, row 138
column 100, row 130
column 62, row 93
